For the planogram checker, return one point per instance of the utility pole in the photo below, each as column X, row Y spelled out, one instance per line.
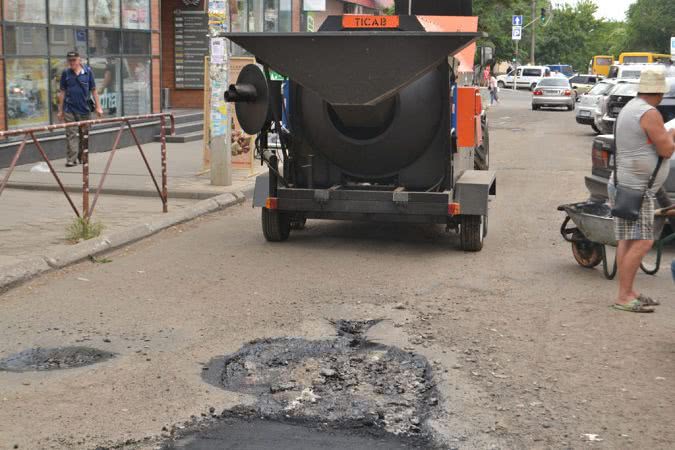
column 534, row 32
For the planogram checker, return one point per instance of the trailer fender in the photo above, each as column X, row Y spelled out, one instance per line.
column 473, row 190
column 261, row 190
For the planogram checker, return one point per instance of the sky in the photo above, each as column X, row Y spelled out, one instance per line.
column 610, row 9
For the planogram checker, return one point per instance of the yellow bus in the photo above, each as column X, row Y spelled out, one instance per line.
column 642, row 58
column 600, row 64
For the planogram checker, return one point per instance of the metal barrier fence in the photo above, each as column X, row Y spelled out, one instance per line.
column 83, row 154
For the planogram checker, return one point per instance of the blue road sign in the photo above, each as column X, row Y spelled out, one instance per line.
column 517, row 21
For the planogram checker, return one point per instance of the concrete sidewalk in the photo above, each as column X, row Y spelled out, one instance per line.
column 34, row 213
column 129, row 176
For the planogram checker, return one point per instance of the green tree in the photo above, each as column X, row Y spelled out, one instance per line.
column 650, row 24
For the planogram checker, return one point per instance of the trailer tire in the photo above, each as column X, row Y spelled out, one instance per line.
column 276, row 226
column 472, row 233
column 298, row 223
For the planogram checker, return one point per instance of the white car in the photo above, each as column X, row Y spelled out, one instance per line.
column 630, row 71
column 590, row 103
column 525, row 77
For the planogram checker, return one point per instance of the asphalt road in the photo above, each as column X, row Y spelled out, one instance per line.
column 526, row 352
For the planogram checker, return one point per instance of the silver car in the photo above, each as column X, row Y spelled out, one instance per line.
column 589, row 105
column 553, row 92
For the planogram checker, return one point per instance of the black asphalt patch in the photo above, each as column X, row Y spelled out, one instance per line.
column 366, row 394
column 42, row 359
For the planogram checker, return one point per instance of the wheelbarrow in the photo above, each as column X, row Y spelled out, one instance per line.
column 594, row 231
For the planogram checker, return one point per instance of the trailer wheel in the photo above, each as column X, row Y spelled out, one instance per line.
column 298, row 223
column 472, row 233
column 276, row 226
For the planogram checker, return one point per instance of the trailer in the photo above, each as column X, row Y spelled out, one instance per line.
column 369, row 123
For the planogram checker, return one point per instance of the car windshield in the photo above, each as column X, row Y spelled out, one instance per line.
column 600, row 88
column 558, row 82
column 631, row 74
column 626, row 89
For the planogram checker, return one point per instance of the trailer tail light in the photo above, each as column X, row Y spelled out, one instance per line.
column 453, row 209
column 538, row 92
column 272, row 203
column 600, row 157
column 568, row 93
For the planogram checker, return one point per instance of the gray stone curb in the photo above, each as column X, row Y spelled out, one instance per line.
column 16, row 274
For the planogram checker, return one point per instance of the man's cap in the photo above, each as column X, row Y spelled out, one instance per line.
column 653, row 81
column 72, row 55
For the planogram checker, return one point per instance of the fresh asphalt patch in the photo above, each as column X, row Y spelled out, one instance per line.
column 344, row 392
column 42, row 359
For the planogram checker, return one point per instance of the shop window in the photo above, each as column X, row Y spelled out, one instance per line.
column 136, row 43
column 64, row 40
column 136, row 77
column 107, row 75
column 25, row 11
column 104, row 13
column 25, row 40
column 67, row 12
column 103, row 42
column 27, row 93
column 136, row 14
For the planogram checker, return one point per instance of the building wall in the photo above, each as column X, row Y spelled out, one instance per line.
column 180, row 98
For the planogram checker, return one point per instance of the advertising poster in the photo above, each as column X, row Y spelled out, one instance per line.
column 242, row 144
column 27, row 98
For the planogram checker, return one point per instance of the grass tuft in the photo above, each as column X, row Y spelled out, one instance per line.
column 82, row 229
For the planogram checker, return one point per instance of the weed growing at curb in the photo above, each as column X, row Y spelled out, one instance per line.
column 82, row 229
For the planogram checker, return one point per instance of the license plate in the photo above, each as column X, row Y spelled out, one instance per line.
column 584, row 113
column 551, row 92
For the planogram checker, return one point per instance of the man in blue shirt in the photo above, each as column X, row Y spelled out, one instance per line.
column 77, row 87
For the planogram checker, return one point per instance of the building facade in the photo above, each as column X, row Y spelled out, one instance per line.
column 139, row 50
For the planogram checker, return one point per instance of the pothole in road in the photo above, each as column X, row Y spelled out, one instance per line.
column 42, row 359
column 345, row 386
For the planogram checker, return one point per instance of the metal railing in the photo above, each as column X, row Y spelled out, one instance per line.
column 83, row 154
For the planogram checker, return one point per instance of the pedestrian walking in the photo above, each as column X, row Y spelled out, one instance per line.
column 77, row 87
column 643, row 148
column 494, row 90
column 486, row 76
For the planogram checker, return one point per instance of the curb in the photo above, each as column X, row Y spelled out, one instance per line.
column 184, row 194
column 15, row 274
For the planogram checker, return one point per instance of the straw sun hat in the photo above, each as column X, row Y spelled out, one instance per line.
column 653, row 82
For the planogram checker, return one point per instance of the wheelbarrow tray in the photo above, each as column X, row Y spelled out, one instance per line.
column 594, row 220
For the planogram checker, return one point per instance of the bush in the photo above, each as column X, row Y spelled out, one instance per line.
column 82, row 229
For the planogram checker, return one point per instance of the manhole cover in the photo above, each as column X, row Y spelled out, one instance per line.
column 344, row 382
column 39, row 359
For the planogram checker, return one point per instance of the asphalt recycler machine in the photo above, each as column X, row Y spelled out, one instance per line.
column 369, row 123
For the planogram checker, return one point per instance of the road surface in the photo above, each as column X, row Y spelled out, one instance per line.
column 523, row 344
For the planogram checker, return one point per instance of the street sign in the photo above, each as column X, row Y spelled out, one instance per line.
column 672, row 47
column 517, row 21
column 517, row 33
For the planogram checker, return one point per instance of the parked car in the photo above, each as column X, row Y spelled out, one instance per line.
column 524, row 77
column 602, row 155
column 565, row 69
column 590, row 103
column 553, row 92
column 628, row 71
column 614, row 103
column 583, row 83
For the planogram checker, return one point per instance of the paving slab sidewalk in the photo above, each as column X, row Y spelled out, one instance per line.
column 34, row 214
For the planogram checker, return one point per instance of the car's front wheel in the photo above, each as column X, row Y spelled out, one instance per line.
column 501, row 85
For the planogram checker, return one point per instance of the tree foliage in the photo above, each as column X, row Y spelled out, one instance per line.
column 650, row 24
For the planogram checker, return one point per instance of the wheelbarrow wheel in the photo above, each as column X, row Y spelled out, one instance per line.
column 587, row 254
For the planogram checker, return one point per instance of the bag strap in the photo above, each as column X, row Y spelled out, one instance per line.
column 652, row 179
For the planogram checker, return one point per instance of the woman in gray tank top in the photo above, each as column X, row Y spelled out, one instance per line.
column 641, row 139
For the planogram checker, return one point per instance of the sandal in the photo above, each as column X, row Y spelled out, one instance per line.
column 648, row 301
column 635, row 306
